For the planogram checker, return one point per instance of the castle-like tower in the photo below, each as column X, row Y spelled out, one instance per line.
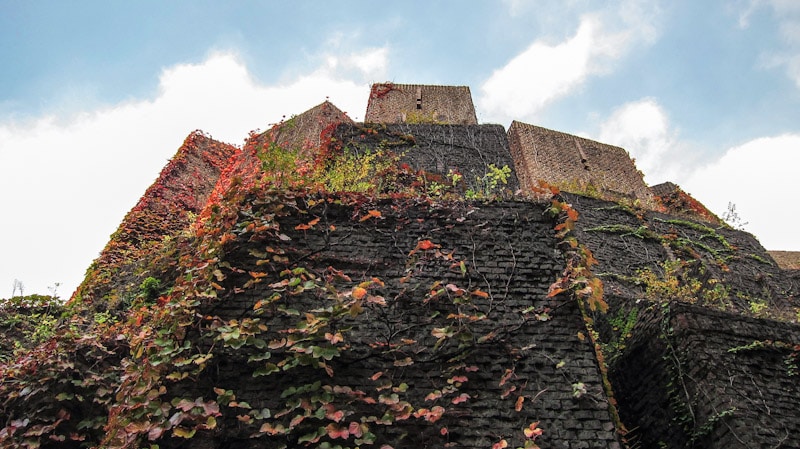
column 416, row 103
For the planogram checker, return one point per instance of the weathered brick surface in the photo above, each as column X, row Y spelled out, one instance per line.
column 182, row 189
column 675, row 378
column 304, row 131
column 573, row 163
column 509, row 251
column 625, row 243
column 438, row 149
column 687, row 381
column 788, row 260
column 677, row 202
column 402, row 103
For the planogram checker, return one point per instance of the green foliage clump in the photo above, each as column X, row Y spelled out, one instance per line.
column 489, row 185
column 361, row 172
column 150, row 289
column 282, row 164
column 622, row 324
column 421, row 118
column 677, row 284
column 26, row 321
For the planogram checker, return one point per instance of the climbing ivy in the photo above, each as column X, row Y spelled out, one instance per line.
column 120, row 381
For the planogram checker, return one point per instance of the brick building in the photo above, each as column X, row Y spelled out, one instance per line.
column 574, row 163
column 415, row 103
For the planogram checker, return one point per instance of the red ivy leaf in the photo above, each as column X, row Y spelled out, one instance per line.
column 463, row 397
column 425, row 245
column 502, row 444
column 306, row 226
column 532, row 431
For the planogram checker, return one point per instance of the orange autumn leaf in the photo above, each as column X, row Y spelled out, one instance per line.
column 335, row 431
column 359, row 292
column 518, row 405
column 371, row 214
column 455, row 379
column 306, row 226
column 463, row 397
column 432, row 396
column 480, row 294
column 533, row 431
column 572, row 214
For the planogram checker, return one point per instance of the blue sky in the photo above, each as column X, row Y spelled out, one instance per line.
column 96, row 96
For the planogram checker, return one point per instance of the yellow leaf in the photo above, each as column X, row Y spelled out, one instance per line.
column 211, row 423
column 183, row 432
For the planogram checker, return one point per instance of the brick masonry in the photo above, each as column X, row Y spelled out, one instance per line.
column 687, row 376
column 438, row 149
column 788, row 260
column 573, row 163
column 692, row 377
column 409, row 103
column 683, row 377
column 509, row 251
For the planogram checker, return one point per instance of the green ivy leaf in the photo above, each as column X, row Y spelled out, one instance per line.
column 268, row 369
column 183, row 432
column 327, row 353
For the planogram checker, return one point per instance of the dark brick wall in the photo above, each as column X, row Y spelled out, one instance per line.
column 648, row 239
column 676, row 380
column 687, row 380
column 509, row 251
column 468, row 149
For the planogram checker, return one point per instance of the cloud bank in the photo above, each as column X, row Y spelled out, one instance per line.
column 786, row 13
column 643, row 128
column 760, row 178
column 545, row 71
column 73, row 178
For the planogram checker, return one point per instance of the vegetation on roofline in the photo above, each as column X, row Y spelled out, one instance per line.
column 110, row 375
column 27, row 321
column 111, row 368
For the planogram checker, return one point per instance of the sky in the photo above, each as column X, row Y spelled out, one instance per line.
column 96, row 96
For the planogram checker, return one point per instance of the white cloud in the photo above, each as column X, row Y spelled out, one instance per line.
column 545, row 72
column 643, row 128
column 538, row 75
column 68, row 181
column 760, row 178
column 746, row 11
column 786, row 14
